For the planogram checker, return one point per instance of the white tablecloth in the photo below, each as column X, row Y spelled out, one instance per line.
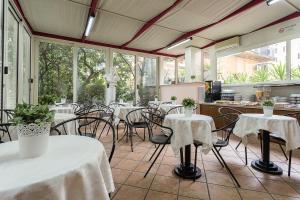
column 62, row 109
column 166, row 107
column 74, row 168
column 122, row 111
column 187, row 129
column 285, row 127
column 70, row 127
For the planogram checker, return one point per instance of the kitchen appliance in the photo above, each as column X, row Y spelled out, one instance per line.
column 212, row 91
column 228, row 95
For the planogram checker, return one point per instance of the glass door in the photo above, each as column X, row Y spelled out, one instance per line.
column 26, row 63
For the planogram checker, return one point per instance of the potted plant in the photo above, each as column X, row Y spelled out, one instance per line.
column 268, row 107
column 188, row 104
column 63, row 99
column 156, row 98
column 193, row 77
column 33, row 128
column 47, row 100
column 173, row 99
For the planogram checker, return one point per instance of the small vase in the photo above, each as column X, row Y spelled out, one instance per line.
column 33, row 139
column 156, row 99
column 174, row 102
column 63, row 100
column 268, row 111
column 188, row 112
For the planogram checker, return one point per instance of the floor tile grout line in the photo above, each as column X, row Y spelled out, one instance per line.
column 209, row 196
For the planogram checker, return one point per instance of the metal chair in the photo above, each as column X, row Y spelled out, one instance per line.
column 4, row 128
column 175, row 110
column 163, row 136
column 93, row 127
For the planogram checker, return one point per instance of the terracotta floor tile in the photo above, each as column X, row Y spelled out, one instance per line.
column 279, row 197
column 280, row 188
column 250, row 183
column 117, row 186
column 185, row 198
column 219, row 178
column 132, row 193
column 115, row 161
column 165, row 184
column 218, row 192
column 165, row 170
column 252, row 195
column 213, row 166
column 144, row 166
column 169, row 160
column 154, row 195
column 127, row 164
column 120, row 175
column 137, row 179
column 192, row 189
column 135, row 156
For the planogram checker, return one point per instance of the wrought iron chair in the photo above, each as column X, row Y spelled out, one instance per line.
column 4, row 128
column 161, row 138
column 175, row 110
column 93, row 127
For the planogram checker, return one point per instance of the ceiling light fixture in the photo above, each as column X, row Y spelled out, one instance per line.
column 179, row 43
column 270, row 2
column 89, row 26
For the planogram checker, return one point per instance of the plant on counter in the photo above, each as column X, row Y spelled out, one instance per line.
column 188, row 103
column 173, row 98
column 268, row 107
column 193, row 77
column 268, row 103
column 47, row 99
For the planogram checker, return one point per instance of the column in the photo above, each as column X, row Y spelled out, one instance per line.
column 192, row 58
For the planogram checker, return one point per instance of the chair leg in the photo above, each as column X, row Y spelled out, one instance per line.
column 118, row 131
column 144, row 134
column 130, row 137
column 246, row 156
column 228, row 169
column 283, row 152
column 181, row 157
column 195, row 163
column 218, row 158
column 155, row 160
column 290, row 163
column 156, row 148
column 238, row 145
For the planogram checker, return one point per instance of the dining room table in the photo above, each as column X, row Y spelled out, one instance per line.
column 74, row 167
column 69, row 127
column 165, row 108
column 62, row 109
column 187, row 129
column 285, row 127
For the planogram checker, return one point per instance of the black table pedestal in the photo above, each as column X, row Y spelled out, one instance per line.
column 264, row 164
column 186, row 170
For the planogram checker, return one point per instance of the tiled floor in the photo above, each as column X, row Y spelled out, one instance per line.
column 128, row 169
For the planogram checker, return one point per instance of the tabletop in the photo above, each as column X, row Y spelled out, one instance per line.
column 187, row 129
column 284, row 127
column 62, row 109
column 78, row 170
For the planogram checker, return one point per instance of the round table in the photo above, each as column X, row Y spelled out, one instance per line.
column 68, row 128
column 74, row 167
column 62, row 109
column 122, row 111
column 285, row 127
column 166, row 107
column 185, row 131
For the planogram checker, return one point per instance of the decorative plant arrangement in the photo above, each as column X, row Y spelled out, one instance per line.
column 47, row 100
column 173, row 99
column 189, row 104
column 156, row 98
column 268, row 107
column 33, row 128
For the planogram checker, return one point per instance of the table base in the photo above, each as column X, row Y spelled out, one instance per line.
column 187, row 172
column 271, row 168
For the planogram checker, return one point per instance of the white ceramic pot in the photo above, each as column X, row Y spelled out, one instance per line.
column 174, row 102
column 268, row 111
column 156, row 99
column 63, row 100
column 33, row 139
column 188, row 112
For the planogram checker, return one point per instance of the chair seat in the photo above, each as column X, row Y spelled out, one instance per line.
column 140, row 125
column 221, row 143
column 197, row 143
column 159, row 139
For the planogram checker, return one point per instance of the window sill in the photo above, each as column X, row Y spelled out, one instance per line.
column 261, row 84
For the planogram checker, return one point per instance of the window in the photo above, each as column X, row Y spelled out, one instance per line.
column 26, row 67
column 55, row 70
column 295, row 61
column 206, row 66
column 167, row 74
column 146, row 79
column 124, row 66
column 257, row 65
column 91, row 81
column 182, row 72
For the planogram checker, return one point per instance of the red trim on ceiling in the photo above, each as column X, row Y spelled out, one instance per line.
column 98, row 43
column 283, row 19
column 151, row 22
column 22, row 13
column 193, row 32
column 92, row 12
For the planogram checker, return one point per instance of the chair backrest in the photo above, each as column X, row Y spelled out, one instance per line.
column 4, row 129
column 167, row 102
column 294, row 115
column 225, row 110
column 176, row 110
column 153, row 122
column 7, row 115
column 229, row 120
column 85, row 108
column 94, row 127
column 134, row 116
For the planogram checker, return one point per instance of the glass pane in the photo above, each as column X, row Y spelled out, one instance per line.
column 146, row 79
column 26, row 66
column 55, row 70
column 207, row 66
column 1, row 43
column 182, row 72
column 167, row 75
column 91, row 75
column 257, row 65
column 12, row 62
column 295, row 63
column 124, row 66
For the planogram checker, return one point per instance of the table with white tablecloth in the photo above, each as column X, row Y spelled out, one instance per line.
column 69, row 127
column 122, row 111
column 164, row 108
column 62, row 109
column 185, row 131
column 73, row 168
column 284, row 127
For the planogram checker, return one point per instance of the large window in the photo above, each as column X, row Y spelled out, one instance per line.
column 257, row 65
column 206, row 66
column 55, row 70
column 91, row 75
column 26, row 67
column 295, row 61
column 167, row 73
column 124, row 66
column 182, row 71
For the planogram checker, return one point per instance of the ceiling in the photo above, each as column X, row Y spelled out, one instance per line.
column 117, row 21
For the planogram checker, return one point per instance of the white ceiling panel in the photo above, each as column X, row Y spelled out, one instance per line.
column 56, row 16
column 156, row 37
column 198, row 13
column 295, row 3
column 113, row 29
column 138, row 9
column 248, row 21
